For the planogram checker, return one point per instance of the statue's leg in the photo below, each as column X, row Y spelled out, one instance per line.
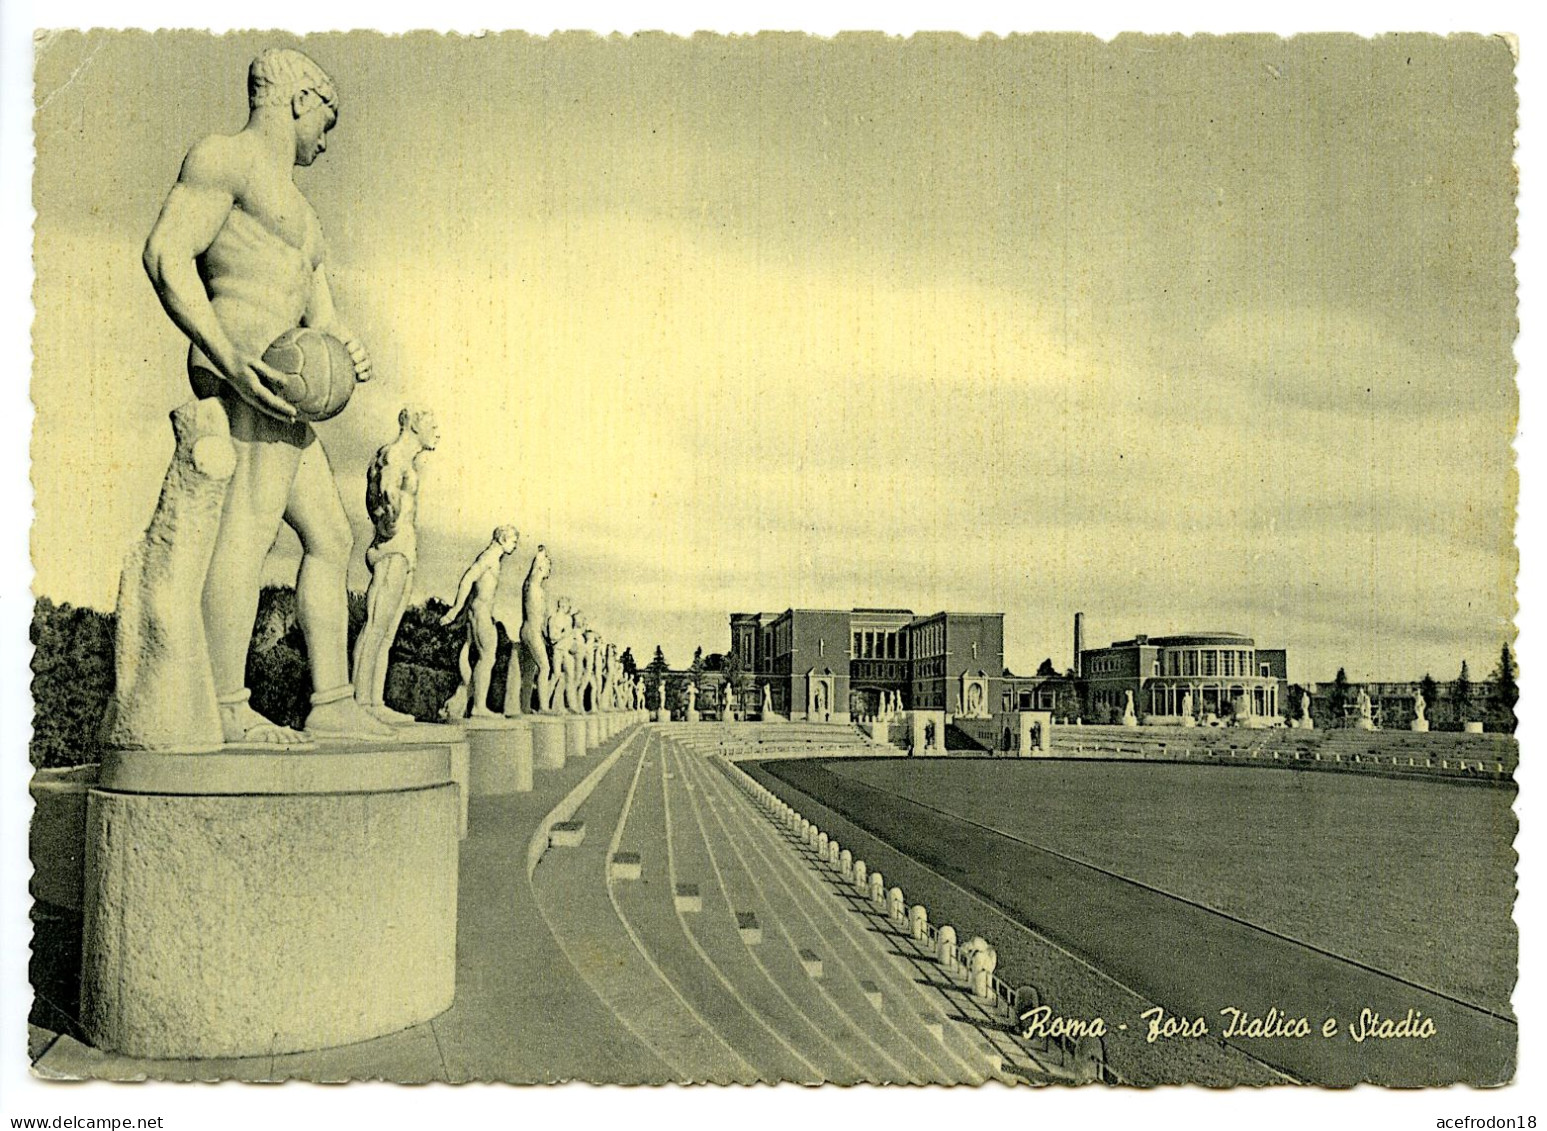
column 485, row 645
column 267, row 455
column 322, row 608
column 385, row 602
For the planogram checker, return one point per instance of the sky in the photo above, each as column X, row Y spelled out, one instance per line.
column 1181, row 333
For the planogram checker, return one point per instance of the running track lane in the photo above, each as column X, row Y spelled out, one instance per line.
column 1186, row 957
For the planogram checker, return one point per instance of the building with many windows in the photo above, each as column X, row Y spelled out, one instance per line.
column 837, row 664
column 1225, row 674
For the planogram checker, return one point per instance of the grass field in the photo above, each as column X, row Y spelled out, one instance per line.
column 1412, row 878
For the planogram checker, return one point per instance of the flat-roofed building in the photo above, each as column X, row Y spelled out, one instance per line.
column 1227, row 675
column 838, row 664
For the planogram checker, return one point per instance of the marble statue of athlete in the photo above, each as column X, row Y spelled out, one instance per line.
column 392, row 501
column 236, row 257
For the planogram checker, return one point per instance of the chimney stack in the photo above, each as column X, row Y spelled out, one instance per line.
column 1079, row 645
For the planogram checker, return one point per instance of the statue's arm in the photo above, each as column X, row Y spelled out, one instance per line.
column 464, row 589
column 195, row 210
column 322, row 315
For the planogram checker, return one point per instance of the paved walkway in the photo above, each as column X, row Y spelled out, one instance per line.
column 688, row 937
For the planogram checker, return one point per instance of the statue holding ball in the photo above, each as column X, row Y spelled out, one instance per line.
column 237, row 258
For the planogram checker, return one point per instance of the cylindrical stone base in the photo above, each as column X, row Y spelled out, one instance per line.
column 575, row 737
column 501, row 756
column 252, row 919
column 595, row 730
column 548, row 742
column 1421, row 726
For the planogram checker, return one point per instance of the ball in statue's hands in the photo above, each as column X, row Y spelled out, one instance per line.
column 320, row 374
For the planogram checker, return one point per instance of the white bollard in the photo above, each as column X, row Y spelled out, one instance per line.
column 878, row 891
column 846, row 862
column 897, row 908
column 832, row 854
column 918, row 922
column 945, row 948
column 821, row 845
column 983, row 961
column 858, row 876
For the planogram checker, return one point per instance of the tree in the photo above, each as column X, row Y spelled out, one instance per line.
column 714, row 662
column 1461, row 695
column 696, row 668
column 1506, row 692
column 630, row 667
column 1046, row 667
column 657, row 668
column 1067, row 705
column 1339, row 698
column 1429, row 690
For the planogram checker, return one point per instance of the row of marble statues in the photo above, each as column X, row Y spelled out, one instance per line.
column 237, row 259
column 574, row 670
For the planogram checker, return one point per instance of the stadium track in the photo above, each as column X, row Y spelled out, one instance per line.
column 1192, row 960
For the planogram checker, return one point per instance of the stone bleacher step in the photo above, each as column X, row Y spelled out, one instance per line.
column 751, row 930
column 566, row 834
column 688, row 899
column 872, row 993
column 625, row 866
column 811, row 961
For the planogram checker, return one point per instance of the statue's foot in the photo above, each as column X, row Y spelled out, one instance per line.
column 389, row 716
column 335, row 714
column 240, row 725
column 483, row 713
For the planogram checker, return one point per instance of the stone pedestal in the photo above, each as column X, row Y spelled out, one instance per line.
column 917, row 721
column 501, row 754
column 453, row 736
column 1306, row 723
column 250, row 903
column 1472, row 728
column 595, row 730
column 548, row 743
column 692, row 714
column 575, row 737
column 1130, row 720
column 1036, row 733
column 660, row 715
column 1420, row 726
column 1364, row 724
column 1189, row 721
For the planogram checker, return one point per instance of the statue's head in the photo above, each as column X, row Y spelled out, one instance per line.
column 563, row 605
column 421, row 422
column 508, row 538
column 542, row 565
column 284, row 77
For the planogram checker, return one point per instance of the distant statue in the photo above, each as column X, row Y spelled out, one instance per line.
column 1187, row 705
column 974, row 706
column 561, row 638
column 1305, row 703
column 1364, row 706
column 660, row 692
column 476, row 592
column 692, row 695
column 767, row 701
column 392, row 501
column 1419, row 707
column 534, row 614
column 587, row 644
column 727, row 703
column 819, row 703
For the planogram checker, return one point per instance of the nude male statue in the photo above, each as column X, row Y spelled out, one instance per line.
column 476, row 591
column 236, row 257
column 562, row 639
column 392, row 501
